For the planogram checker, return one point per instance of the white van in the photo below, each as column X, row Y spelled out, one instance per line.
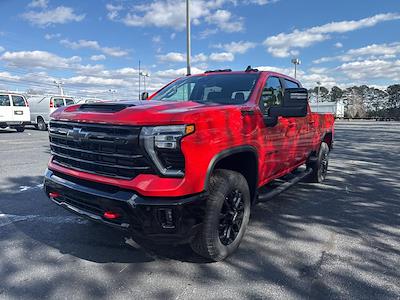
column 14, row 111
column 42, row 106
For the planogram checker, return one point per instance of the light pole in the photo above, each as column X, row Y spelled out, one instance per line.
column 296, row 62
column 319, row 87
column 59, row 84
column 144, row 74
column 112, row 92
column 188, row 40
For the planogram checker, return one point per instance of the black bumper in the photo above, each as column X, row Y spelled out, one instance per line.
column 166, row 220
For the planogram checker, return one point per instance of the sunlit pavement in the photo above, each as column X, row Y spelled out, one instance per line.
column 340, row 239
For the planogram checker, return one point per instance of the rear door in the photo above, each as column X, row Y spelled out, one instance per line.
column 57, row 103
column 6, row 114
column 20, row 109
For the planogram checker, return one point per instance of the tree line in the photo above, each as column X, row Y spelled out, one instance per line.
column 362, row 101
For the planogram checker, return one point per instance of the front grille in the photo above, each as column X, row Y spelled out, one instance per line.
column 106, row 150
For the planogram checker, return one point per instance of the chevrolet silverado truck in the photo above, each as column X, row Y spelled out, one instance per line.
column 187, row 164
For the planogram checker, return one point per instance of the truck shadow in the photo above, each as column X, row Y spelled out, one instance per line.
column 313, row 241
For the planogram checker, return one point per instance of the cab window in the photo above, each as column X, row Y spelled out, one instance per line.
column 18, row 100
column 58, row 102
column 69, row 102
column 272, row 94
column 4, row 100
column 291, row 84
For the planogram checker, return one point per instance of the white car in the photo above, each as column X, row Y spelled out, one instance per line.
column 14, row 111
column 42, row 107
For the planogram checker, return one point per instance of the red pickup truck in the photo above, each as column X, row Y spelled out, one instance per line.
column 187, row 164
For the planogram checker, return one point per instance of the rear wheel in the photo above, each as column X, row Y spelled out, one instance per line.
column 41, row 125
column 20, row 128
column 320, row 164
column 226, row 217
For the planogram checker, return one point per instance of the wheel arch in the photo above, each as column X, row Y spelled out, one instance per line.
column 242, row 159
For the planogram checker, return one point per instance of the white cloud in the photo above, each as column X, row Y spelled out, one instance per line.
column 177, row 57
column 98, row 57
column 50, row 36
column 223, row 19
column 369, row 69
column 338, row 45
column 240, row 47
column 374, row 51
column 172, row 57
column 58, row 15
column 112, row 51
column 222, row 56
column 171, row 13
column 38, row 59
column 38, row 3
column 156, row 39
column 282, row 44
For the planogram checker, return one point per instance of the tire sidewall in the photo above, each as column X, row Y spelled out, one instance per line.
column 230, row 183
column 324, row 149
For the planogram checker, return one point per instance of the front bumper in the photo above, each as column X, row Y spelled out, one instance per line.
column 164, row 220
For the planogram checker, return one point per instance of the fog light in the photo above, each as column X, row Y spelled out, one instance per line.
column 111, row 215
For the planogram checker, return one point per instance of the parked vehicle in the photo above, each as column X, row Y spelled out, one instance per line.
column 42, row 106
column 188, row 165
column 14, row 111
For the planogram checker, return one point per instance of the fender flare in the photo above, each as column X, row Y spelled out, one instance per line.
column 226, row 153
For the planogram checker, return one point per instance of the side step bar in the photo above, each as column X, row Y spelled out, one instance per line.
column 283, row 187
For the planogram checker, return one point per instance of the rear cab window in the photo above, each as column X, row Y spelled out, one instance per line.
column 4, row 100
column 291, row 84
column 69, row 101
column 18, row 100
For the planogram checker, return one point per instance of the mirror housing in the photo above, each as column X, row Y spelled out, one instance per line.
column 144, row 96
column 294, row 104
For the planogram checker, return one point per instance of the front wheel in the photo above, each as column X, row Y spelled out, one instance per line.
column 226, row 217
column 320, row 165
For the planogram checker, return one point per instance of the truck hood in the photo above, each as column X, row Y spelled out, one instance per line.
column 138, row 112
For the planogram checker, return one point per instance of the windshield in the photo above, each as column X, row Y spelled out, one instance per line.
column 216, row 88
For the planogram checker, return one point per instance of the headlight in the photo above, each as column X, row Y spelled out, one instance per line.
column 162, row 144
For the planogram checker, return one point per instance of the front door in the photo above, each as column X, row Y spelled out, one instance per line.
column 276, row 147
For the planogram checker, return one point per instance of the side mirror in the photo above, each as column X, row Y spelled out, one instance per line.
column 294, row 104
column 145, row 96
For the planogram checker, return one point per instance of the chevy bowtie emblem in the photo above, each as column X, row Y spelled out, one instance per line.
column 77, row 134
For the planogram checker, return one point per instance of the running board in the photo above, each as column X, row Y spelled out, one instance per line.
column 283, row 187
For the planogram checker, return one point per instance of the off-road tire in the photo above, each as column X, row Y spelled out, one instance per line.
column 319, row 165
column 207, row 242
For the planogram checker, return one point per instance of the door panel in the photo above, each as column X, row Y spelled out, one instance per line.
column 20, row 110
column 275, row 140
column 5, row 109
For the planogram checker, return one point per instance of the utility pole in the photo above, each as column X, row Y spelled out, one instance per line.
column 140, row 96
column 59, row 84
column 188, row 40
column 296, row 62
column 319, row 87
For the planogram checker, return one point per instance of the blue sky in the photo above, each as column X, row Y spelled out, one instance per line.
column 95, row 46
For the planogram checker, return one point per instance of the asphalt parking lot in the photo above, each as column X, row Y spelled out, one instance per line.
column 340, row 239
